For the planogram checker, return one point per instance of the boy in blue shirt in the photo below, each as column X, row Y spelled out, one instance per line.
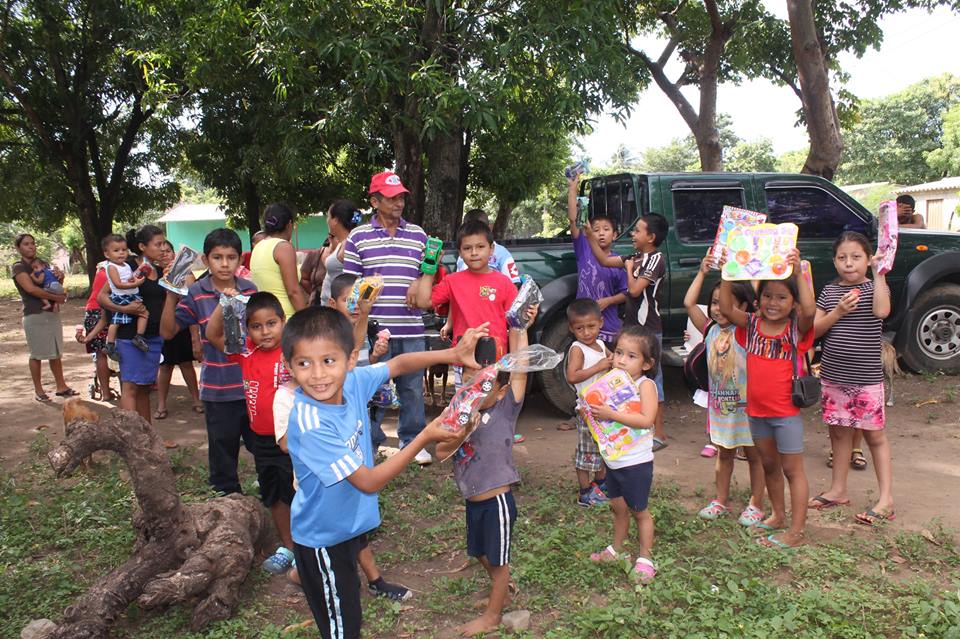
column 329, row 442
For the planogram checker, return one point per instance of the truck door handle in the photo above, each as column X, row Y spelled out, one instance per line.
column 689, row 261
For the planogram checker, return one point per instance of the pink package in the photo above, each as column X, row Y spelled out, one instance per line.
column 887, row 234
column 383, row 334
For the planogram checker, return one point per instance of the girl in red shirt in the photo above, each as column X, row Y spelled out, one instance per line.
column 783, row 325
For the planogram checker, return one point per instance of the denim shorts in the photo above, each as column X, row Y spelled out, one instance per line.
column 786, row 431
column 658, row 378
column 137, row 367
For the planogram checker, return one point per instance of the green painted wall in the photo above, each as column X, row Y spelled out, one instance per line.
column 309, row 233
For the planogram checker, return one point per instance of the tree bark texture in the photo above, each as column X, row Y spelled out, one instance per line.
column 504, row 211
column 702, row 70
column 443, row 208
column 198, row 553
column 408, row 151
column 819, row 110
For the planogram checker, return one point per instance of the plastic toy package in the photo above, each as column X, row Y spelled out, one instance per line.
column 759, row 252
column 183, row 263
column 529, row 295
column 386, row 396
column 464, row 409
column 888, row 233
column 234, row 312
column 577, row 168
column 365, row 288
column 730, row 218
column 617, row 390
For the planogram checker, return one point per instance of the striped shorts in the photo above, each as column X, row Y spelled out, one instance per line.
column 489, row 527
column 332, row 586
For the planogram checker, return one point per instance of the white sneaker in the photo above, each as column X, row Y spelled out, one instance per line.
column 423, row 457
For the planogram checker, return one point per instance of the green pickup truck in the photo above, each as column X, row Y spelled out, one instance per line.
column 924, row 324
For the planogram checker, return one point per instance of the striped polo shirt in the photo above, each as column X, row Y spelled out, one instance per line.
column 371, row 250
column 220, row 379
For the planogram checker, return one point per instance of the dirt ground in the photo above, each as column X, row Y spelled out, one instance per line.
column 924, row 426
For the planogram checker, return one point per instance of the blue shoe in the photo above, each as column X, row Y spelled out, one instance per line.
column 593, row 497
column 279, row 562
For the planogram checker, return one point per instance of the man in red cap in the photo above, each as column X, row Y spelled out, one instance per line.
column 393, row 248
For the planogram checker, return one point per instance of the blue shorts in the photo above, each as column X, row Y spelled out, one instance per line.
column 489, row 524
column 137, row 367
column 786, row 431
column 632, row 483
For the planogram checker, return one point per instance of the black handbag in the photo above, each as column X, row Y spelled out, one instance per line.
column 805, row 390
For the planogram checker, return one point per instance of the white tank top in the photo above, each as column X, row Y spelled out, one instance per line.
column 590, row 358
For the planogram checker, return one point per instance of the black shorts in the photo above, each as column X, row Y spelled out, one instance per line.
column 489, row 525
column 632, row 483
column 332, row 587
column 274, row 470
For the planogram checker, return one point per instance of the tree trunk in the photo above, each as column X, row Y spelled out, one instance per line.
column 408, row 151
column 464, row 175
column 819, row 110
column 443, row 183
column 251, row 206
column 182, row 553
column 504, row 210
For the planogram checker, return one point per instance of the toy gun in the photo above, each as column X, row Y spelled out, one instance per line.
column 431, row 256
column 528, row 296
column 181, row 266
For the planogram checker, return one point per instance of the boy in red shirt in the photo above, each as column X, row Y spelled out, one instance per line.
column 263, row 371
column 476, row 295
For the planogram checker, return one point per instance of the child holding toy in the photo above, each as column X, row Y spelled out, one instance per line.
column 630, row 475
column 729, row 425
column 780, row 332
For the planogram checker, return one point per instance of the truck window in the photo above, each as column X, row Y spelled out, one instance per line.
column 613, row 197
column 818, row 213
column 697, row 208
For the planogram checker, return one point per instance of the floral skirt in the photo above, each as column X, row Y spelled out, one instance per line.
column 90, row 319
column 853, row 406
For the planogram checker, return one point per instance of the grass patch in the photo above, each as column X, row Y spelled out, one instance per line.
column 58, row 536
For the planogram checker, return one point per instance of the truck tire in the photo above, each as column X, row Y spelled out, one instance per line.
column 933, row 333
column 553, row 382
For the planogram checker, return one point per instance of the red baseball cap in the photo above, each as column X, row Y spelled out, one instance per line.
column 387, row 184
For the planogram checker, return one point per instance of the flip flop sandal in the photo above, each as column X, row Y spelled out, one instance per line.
column 708, row 451
column 742, row 456
column 643, row 570
column 872, row 518
column 607, row 555
column 160, row 414
column 824, row 503
column 518, row 438
column 67, row 393
column 198, row 409
column 764, row 527
column 659, row 444
column 43, row 398
column 857, row 460
column 771, row 541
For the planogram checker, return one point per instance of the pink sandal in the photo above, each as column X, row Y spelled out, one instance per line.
column 608, row 554
column 643, row 570
column 708, row 451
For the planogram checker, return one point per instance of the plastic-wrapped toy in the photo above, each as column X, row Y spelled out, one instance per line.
column 730, row 218
column 617, row 390
column 888, row 233
column 465, row 405
column 529, row 295
column 386, row 396
column 181, row 266
column 576, row 169
column 365, row 288
column 234, row 312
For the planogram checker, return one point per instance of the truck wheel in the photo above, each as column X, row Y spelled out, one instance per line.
column 933, row 336
column 554, row 382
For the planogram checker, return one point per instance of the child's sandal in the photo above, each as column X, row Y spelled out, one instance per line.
column 643, row 570
column 714, row 510
column 608, row 554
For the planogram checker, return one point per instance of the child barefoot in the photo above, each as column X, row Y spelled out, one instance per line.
column 729, row 426
column 587, row 359
column 630, row 476
column 782, row 329
column 850, row 313
column 44, row 277
column 484, row 471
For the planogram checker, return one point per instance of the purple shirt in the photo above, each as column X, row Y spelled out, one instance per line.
column 220, row 379
column 598, row 281
column 371, row 250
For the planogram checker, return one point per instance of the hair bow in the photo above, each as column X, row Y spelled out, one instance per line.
column 357, row 217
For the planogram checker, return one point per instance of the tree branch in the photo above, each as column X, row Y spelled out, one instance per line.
column 667, row 52
column 671, row 89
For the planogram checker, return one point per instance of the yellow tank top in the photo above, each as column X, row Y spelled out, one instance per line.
column 266, row 272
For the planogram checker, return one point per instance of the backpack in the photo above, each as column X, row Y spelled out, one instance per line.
column 695, row 369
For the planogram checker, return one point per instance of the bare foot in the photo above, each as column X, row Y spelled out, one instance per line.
column 293, row 576
column 480, row 625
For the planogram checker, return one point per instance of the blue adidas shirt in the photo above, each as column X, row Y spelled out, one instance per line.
column 328, row 443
